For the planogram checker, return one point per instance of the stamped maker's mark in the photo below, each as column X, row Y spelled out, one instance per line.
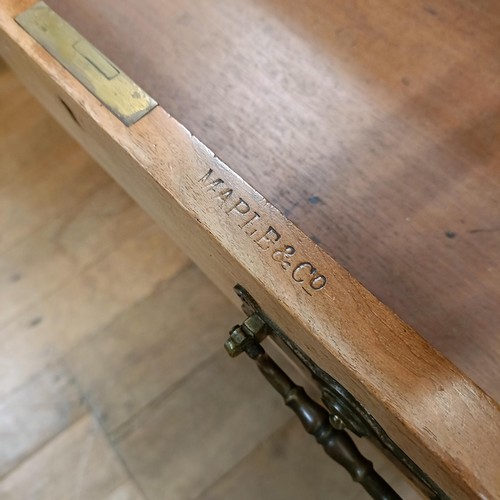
column 266, row 237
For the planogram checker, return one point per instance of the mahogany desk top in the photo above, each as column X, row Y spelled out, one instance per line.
column 360, row 133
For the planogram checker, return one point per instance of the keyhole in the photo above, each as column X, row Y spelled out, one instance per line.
column 68, row 109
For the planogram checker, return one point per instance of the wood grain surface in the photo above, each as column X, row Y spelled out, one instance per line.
column 79, row 426
column 95, row 471
column 444, row 422
column 374, row 126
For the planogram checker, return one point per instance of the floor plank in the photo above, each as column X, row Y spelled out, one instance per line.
column 35, row 413
column 151, row 346
column 56, row 324
column 78, row 465
column 126, row 491
column 47, row 258
column 63, row 178
column 180, row 445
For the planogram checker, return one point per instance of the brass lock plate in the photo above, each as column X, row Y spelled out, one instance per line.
column 123, row 97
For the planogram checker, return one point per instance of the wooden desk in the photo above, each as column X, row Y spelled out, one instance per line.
column 363, row 136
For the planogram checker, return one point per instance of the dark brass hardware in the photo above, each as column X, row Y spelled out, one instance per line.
column 315, row 419
column 328, row 423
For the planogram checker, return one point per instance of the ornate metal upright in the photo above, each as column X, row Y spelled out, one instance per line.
column 329, row 422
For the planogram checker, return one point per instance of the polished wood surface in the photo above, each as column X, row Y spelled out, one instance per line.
column 421, row 400
column 125, row 401
column 374, row 126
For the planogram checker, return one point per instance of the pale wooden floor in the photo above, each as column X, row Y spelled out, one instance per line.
column 113, row 381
